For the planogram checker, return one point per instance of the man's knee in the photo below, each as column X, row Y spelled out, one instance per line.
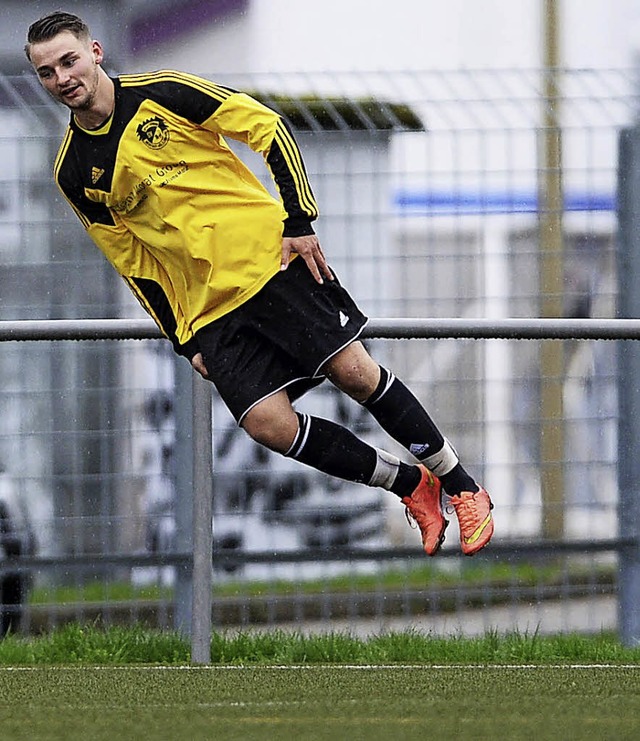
column 354, row 371
column 272, row 425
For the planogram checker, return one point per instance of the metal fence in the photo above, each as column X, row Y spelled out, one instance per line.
column 436, row 219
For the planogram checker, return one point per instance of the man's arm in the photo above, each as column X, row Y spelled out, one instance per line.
column 146, row 279
column 245, row 119
column 238, row 116
column 284, row 159
column 140, row 270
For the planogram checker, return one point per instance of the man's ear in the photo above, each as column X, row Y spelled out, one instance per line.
column 98, row 51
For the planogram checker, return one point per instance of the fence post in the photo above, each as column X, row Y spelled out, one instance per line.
column 202, row 521
column 184, row 492
column 629, row 386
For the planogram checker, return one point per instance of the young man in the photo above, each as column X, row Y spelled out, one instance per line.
column 236, row 279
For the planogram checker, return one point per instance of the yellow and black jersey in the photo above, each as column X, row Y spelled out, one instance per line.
column 188, row 226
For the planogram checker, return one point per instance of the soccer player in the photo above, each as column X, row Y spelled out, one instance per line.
column 234, row 277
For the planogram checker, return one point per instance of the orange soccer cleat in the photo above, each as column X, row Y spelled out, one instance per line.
column 424, row 508
column 473, row 510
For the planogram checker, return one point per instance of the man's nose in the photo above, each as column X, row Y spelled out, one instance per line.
column 62, row 76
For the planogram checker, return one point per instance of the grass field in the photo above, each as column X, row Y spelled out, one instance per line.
column 320, row 702
column 513, row 687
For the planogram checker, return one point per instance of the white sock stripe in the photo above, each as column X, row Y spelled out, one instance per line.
column 301, row 437
column 443, row 461
column 390, row 379
column 386, row 470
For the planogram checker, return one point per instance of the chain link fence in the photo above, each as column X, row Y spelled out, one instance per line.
column 433, row 194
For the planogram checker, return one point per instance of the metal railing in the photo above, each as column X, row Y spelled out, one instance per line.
column 442, row 222
column 197, row 565
column 403, row 328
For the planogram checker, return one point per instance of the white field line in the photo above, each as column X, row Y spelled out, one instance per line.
column 311, row 667
column 219, row 704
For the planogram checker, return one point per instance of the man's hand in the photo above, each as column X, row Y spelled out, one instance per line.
column 197, row 364
column 310, row 251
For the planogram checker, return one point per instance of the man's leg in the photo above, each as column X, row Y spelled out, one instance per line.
column 399, row 413
column 326, row 446
column 402, row 416
column 332, row 449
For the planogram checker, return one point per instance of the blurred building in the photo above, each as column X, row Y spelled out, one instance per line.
column 435, row 223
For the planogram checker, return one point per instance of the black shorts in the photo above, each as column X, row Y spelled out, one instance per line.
column 279, row 339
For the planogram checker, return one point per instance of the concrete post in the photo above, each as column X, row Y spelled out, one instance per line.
column 629, row 386
column 202, row 521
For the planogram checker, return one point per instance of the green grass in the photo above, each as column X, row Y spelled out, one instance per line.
column 89, row 645
column 79, row 644
column 327, row 703
column 82, row 682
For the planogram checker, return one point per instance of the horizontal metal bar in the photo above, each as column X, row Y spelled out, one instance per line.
column 225, row 557
column 79, row 329
column 403, row 328
column 24, row 563
column 517, row 549
column 509, row 328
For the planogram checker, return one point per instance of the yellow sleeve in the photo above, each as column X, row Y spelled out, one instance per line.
column 245, row 119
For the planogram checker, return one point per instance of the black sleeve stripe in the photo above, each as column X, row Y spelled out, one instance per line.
column 285, row 181
column 286, row 139
column 155, row 302
column 218, row 92
column 295, row 167
column 288, row 168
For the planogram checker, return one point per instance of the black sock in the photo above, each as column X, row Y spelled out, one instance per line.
column 403, row 417
column 406, row 481
column 457, row 481
column 332, row 449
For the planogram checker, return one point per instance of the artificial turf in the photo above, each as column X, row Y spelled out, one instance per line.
column 320, row 702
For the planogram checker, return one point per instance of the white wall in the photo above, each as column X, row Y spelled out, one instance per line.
column 301, row 35
column 600, row 33
column 404, row 34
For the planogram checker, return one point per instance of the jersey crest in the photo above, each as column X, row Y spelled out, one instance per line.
column 153, row 132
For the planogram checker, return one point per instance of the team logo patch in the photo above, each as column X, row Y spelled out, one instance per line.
column 153, row 132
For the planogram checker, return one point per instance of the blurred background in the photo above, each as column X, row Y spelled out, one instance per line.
column 465, row 157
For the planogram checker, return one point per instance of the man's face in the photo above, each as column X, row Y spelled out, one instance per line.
column 68, row 68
